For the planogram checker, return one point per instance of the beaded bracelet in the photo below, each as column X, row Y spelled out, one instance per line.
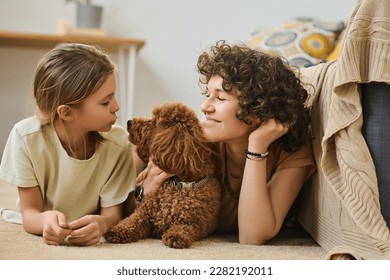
column 256, row 156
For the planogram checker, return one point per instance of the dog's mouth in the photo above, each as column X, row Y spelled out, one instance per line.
column 129, row 122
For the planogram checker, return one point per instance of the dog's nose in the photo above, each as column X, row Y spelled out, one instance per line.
column 129, row 123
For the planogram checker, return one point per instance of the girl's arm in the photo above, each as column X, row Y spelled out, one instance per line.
column 50, row 224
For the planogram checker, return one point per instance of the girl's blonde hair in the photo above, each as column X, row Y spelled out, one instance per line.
column 68, row 74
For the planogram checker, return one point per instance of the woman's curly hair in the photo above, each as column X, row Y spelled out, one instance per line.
column 266, row 86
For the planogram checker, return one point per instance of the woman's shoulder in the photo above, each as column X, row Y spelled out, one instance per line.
column 306, row 150
column 281, row 159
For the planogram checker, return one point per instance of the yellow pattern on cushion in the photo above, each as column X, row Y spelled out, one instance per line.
column 302, row 41
column 336, row 51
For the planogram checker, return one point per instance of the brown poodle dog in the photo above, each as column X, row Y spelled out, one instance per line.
column 186, row 207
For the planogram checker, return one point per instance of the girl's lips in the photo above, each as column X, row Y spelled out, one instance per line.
column 113, row 122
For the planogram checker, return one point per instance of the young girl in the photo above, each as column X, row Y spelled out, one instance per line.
column 73, row 166
column 255, row 113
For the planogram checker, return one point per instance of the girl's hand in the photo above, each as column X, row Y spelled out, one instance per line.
column 87, row 230
column 55, row 228
column 155, row 178
column 265, row 134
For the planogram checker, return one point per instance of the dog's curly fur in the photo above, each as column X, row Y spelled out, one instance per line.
column 179, row 215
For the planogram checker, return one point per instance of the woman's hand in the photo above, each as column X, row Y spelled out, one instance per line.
column 265, row 134
column 155, row 178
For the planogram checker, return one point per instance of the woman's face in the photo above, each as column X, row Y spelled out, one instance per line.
column 220, row 109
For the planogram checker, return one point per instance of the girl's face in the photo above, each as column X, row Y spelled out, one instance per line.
column 220, row 109
column 98, row 111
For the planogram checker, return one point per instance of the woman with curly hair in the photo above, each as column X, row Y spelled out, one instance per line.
column 255, row 113
column 256, row 116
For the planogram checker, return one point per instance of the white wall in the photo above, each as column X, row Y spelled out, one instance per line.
column 175, row 31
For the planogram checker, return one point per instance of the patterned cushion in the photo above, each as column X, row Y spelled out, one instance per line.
column 304, row 41
column 336, row 51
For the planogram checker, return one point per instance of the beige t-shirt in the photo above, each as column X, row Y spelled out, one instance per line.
column 277, row 160
column 75, row 187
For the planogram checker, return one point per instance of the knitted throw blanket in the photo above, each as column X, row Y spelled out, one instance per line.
column 341, row 207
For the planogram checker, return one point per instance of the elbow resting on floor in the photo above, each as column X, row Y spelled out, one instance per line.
column 256, row 239
column 259, row 240
column 252, row 242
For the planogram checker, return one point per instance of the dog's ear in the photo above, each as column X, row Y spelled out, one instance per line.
column 141, row 132
column 182, row 151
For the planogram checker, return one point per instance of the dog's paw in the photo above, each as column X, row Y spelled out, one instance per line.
column 177, row 241
column 114, row 237
column 119, row 234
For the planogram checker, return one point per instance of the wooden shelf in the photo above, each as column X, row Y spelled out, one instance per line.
column 37, row 40
column 125, row 48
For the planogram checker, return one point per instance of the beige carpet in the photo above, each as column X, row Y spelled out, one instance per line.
column 16, row 244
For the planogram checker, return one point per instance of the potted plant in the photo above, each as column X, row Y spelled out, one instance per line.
column 87, row 14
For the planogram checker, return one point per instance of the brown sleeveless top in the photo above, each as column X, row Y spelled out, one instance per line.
column 277, row 160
